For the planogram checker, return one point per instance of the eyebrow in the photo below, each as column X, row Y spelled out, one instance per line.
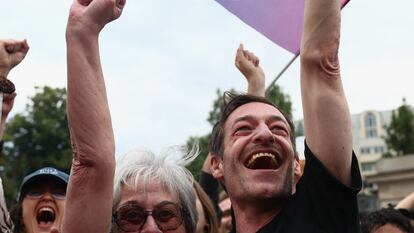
column 243, row 118
column 251, row 118
column 278, row 118
column 134, row 202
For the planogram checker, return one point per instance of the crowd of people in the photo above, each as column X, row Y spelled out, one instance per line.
column 252, row 155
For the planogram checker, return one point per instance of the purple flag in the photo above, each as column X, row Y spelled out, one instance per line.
column 279, row 20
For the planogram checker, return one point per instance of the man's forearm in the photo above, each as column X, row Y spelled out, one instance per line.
column 326, row 114
column 321, row 26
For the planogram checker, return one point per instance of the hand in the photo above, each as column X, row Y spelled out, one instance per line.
column 93, row 15
column 12, row 52
column 248, row 65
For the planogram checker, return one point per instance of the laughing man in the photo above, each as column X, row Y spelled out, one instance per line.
column 254, row 146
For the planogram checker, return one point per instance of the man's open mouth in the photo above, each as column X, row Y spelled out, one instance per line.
column 263, row 161
column 45, row 216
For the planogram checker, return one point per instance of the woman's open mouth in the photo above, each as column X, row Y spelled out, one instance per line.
column 45, row 217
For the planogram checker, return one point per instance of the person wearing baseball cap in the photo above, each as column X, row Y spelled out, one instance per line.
column 41, row 201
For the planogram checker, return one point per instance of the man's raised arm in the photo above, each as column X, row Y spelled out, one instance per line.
column 327, row 120
column 89, row 195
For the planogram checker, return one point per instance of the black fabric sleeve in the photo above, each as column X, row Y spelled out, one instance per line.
column 313, row 167
column 325, row 203
column 211, row 186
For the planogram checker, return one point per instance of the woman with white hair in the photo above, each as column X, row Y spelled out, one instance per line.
column 159, row 183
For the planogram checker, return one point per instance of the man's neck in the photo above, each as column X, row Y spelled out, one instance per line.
column 251, row 217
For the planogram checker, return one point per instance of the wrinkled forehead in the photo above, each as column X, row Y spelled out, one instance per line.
column 147, row 193
column 254, row 111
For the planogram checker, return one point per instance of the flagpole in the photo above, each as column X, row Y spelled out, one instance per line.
column 281, row 73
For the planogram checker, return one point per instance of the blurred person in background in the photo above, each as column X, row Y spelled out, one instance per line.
column 41, row 201
column 406, row 207
column 225, row 208
column 207, row 216
column 386, row 220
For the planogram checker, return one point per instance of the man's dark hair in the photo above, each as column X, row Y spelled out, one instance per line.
column 379, row 218
column 232, row 102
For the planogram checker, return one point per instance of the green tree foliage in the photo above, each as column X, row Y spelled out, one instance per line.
column 280, row 99
column 275, row 95
column 214, row 114
column 400, row 132
column 36, row 138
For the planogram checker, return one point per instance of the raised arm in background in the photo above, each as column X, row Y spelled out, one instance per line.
column 248, row 64
column 89, row 194
column 407, row 203
column 12, row 52
column 326, row 115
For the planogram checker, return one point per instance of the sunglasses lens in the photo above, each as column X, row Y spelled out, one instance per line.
column 168, row 217
column 59, row 195
column 34, row 194
column 37, row 194
column 130, row 219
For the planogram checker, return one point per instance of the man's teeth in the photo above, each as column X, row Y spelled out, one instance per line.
column 46, row 209
column 259, row 155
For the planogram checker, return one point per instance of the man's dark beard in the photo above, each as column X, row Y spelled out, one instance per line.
column 285, row 192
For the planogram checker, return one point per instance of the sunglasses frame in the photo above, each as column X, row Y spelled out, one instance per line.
column 181, row 212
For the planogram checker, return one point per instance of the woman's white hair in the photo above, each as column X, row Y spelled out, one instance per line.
column 140, row 167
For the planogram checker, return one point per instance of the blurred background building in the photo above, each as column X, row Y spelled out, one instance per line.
column 387, row 177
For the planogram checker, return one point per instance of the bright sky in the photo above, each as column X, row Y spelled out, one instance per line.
column 164, row 60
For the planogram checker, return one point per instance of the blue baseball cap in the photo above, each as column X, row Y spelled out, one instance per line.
column 46, row 172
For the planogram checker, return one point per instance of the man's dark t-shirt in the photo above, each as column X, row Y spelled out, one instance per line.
column 321, row 204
